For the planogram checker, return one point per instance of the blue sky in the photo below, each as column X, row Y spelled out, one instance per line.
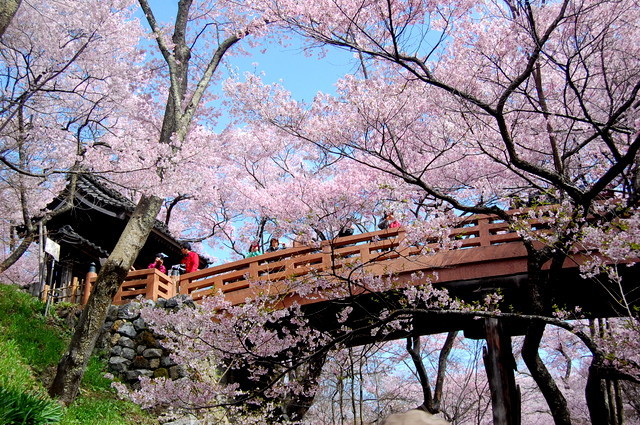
column 302, row 75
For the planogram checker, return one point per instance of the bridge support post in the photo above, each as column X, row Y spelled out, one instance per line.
column 500, row 365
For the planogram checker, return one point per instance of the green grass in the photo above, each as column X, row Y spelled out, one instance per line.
column 30, row 348
column 39, row 343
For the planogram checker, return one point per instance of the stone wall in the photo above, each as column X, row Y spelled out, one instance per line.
column 133, row 349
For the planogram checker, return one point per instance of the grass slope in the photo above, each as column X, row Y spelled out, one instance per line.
column 31, row 346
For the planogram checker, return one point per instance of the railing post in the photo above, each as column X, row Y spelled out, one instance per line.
column 326, row 249
column 74, row 289
column 253, row 269
column 172, row 287
column 365, row 252
column 91, row 274
column 174, row 275
column 152, row 285
column 403, row 248
column 182, row 284
column 483, row 231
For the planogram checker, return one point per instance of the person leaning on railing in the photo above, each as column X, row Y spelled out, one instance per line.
column 191, row 260
column 274, row 245
column 254, row 250
column 159, row 263
column 388, row 222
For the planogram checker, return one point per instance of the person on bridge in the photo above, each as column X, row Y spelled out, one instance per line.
column 274, row 245
column 159, row 263
column 254, row 249
column 191, row 260
column 388, row 222
column 346, row 230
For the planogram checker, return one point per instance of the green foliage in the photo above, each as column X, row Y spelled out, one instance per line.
column 14, row 373
column 94, row 378
column 98, row 404
column 31, row 346
column 96, row 409
column 63, row 305
column 27, row 408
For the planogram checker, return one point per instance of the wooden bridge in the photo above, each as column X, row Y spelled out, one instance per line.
column 485, row 248
column 488, row 256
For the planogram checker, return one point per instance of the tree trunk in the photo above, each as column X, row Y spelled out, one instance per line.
column 537, row 301
column 413, row 348
column 8, row 9
column 500, row 364
column 17, row 253
column 552, row 394
column 74, row 362
column 600, row 409
column 595, row 394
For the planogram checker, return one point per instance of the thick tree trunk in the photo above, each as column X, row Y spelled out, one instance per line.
column 595, row 393
column 552, row 394
column 8, row 9
column 500, row 366
column 74, row 362
column 537, row 301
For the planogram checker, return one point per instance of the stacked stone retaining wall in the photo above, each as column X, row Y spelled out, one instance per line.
column 133, row 349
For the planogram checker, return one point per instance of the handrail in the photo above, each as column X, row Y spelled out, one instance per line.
column 368, row 248
column 287, row 263
column 148, row 283
column 372, row 248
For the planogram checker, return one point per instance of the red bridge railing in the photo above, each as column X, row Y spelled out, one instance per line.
column 149, row 283
column 379, row 251
column 374, row 248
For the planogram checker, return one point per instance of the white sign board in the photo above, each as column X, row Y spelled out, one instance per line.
column 52, row 248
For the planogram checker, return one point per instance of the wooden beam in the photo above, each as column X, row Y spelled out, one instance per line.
column 500, row 365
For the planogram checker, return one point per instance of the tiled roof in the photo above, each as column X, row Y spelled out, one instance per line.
column 68, row 235
column 91, row 186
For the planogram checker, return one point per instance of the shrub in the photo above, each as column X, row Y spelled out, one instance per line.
column 28, row 408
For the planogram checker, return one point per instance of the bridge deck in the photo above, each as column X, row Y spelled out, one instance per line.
column 489, row 256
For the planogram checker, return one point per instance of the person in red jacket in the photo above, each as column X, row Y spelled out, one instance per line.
column 191, row 260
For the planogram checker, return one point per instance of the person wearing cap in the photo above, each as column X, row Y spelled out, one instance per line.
column 191, row 260
column 159, row 263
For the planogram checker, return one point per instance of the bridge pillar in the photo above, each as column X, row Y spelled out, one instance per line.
column 500, row 365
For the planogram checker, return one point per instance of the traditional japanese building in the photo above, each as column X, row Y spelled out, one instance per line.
column 90, row 230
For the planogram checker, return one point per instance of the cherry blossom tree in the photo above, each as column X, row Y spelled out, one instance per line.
column 486, row 106
column 475, row 107
column 62, row 82
column 190, row 53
